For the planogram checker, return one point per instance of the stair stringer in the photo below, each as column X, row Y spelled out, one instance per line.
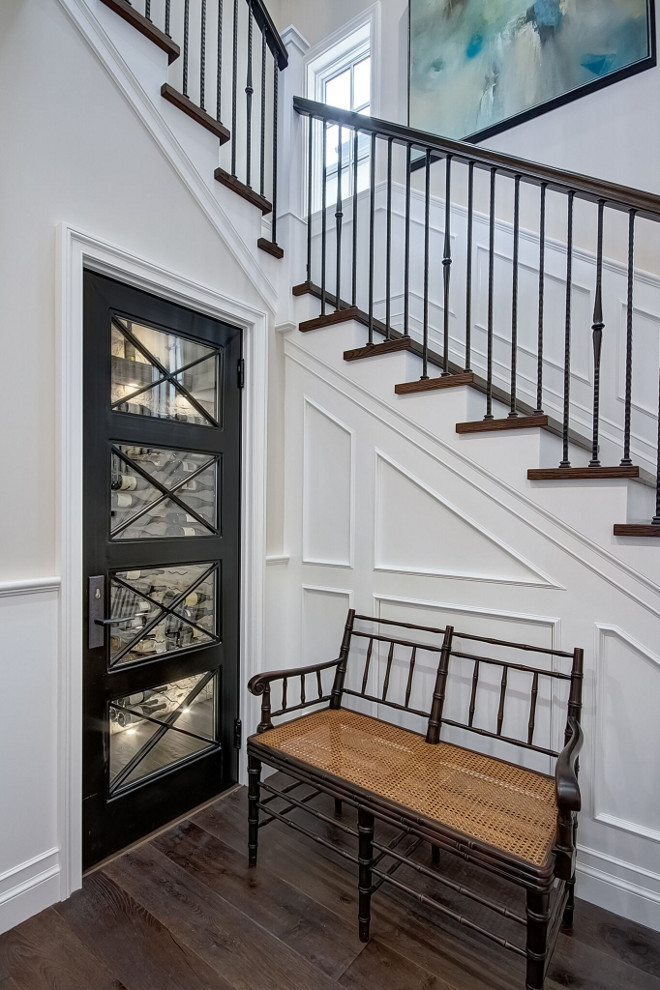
column 368, row 481
column 113, row 41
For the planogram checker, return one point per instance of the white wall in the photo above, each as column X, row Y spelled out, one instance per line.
column 84, row 144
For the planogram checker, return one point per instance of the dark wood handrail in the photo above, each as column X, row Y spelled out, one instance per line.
column 619, row 197
column 273, row 40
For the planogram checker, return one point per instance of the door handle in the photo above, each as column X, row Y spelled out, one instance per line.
column 118, row 622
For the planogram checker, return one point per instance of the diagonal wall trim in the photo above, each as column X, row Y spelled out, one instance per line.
column 100, row 43
column 430, row 443
column 543, row 580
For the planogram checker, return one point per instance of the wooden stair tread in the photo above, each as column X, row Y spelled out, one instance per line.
column 145, row 27
column 495, row 425
column 637, row 529
column 373, row 350
column 328, row 319
column 581, row 473
column 173, row 96
column 554, row 426
column 270, row 247
column 430, row 384
column 241, row 189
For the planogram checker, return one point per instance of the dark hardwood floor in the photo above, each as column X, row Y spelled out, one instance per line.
column 183, row 912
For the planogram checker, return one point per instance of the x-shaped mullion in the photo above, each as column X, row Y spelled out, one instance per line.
column 160, row 721
column 160, row 381
column 168, row 375
column 165, row 610
column 165, row 492
column 158, row 735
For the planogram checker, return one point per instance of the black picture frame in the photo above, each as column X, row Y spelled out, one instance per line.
column 647, row 62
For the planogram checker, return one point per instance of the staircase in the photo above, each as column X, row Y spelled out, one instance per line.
column 219, row 71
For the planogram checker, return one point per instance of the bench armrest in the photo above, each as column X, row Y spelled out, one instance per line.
column 566, row 782
column 260, row 685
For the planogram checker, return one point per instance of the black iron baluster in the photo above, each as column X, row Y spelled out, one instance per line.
column 539, row 349
column 656, row 519
column 388, row 243
column 372, row 213
column 147, row 9
column 310, row 180
column 355, row 217
column 597, row 335
column 218, row 80
column 202, row 56
column 234, row 86
column 427, row 246
column 339, row 217
column 262, row 139
column 514, row 299
column 491, row 277
column 626, row 460
column 276, row 113
column 446, row 266
column 324, row 147
column 406, row 248
column 168, row 4
column 468, row 269
column 186, row 36
column 249, row 90
column 565, row 462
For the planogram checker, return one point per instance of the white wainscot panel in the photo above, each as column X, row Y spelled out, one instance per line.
column 627, row 739
column 327, row 489
column 535, row 630
column 323, row 617
column 29, row 858
column 419, row 532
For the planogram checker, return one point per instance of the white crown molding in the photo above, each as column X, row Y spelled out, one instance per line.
column 103, row 48
column 293, row 39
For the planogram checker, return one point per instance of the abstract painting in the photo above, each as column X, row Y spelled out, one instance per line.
column 479, row 66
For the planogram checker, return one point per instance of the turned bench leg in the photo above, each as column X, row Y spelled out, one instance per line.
column 254, row 778
column 365, row 860
column 567, row 919
column 538, row 918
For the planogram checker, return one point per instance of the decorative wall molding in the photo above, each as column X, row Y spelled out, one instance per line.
column 601, row 778
column 29, row 586
column 203, row 191
column 508, row 497
column 477, row 531
column 314, row 511
column 619, row 886
column 29, row 888
column 77, row 250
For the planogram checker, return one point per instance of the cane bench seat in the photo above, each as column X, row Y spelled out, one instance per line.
column 506, row 807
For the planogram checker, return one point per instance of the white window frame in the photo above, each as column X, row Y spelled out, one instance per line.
column 356, row 39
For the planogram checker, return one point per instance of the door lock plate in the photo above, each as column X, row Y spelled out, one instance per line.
column 96, row 611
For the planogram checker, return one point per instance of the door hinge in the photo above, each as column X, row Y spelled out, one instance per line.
column 241, row 372
column 238, row 733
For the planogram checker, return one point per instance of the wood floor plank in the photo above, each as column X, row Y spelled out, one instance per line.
column 242, row 952
column 45, row 954
column 618, row 937
column 379, row 966
column 139, row 949
column 282, row 909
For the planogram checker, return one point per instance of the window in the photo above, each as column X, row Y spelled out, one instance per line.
column 341, row 75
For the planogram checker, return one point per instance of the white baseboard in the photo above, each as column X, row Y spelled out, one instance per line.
column 621, row 894
column 29, row 888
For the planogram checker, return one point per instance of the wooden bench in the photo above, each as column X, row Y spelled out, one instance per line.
column 505, row 819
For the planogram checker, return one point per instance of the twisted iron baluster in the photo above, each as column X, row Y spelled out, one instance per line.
column 597, row 330
column 626, row 460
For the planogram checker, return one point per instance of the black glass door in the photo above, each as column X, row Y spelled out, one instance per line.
column 161, row 479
